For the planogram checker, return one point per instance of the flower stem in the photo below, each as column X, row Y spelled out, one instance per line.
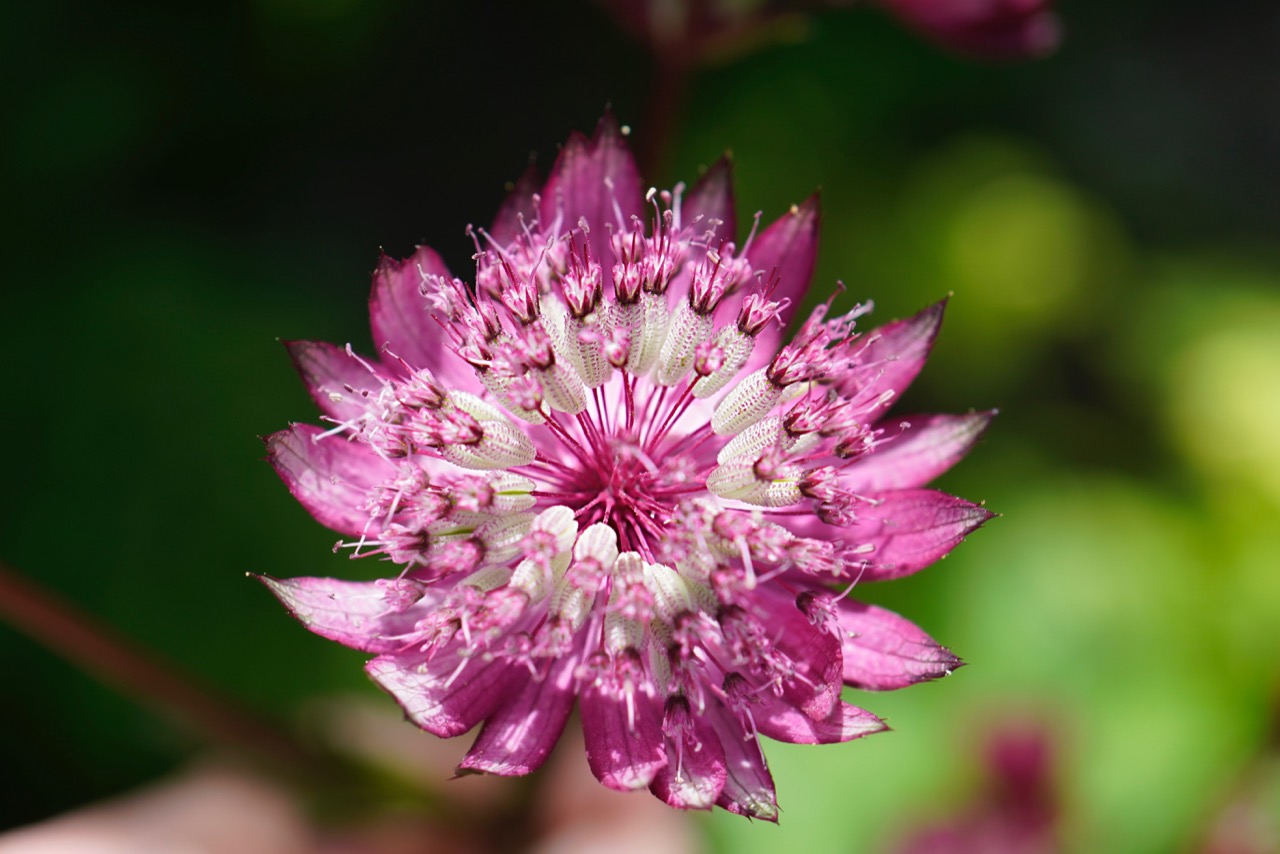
column 663, row 112
column 100, row 651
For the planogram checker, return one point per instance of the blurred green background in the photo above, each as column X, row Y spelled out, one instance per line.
column 189, row 183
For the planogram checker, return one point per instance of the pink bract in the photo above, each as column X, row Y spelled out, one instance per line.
column 599, row 476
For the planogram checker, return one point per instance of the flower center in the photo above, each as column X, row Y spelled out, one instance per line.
column 624, row 480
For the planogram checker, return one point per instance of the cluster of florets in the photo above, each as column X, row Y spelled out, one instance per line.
column 599, row 476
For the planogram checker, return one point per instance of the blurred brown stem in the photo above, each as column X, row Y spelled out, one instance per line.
column 662, row 113
column 104, row 654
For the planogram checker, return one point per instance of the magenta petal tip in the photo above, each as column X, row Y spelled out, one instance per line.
column 711, row 198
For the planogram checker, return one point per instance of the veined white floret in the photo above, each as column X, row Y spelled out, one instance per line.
column 536, row 578
column 751, row 441
column 503, row 444
column 558, row 521
column 586, row 354
column 571, row 603
column 703, row 596
column 696, row 566
column 593, row 557
column 459, row 524
column 659, row 657
column 497, row 386
column 746, row 404
column 687, row 330
column 737, row 348
column 628, row 565
column 487, row 578
column 649, row 333
column 533, row 579
column 554, row 313
column 737, row 479
column 621, row 633
column 671, row 594
column 501, row 536
column 598, row 542
column 511, row 492
column 802, row 444
column 562, row 388
column 477, row 408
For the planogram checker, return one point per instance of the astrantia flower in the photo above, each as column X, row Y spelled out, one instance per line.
column 598, row 475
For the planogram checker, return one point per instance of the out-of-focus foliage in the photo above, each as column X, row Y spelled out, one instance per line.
column 193, row 182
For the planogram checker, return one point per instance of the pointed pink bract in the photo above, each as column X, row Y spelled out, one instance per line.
column 927, row 447
column 844, row 723
column 371, row 616
column 337, row 380
column 748, row 787
column 696, row 776
column 883, row 651
column 519, row 736
column 910, row 529
column 329, row 475
column 624, row 737
column 788, row 249
column 711, row 198
column 437, row 696
column 518, row 210
column 597, row 180
column 897, row 352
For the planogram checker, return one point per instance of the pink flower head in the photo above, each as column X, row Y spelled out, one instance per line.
column 987, row 29
column 601, row 475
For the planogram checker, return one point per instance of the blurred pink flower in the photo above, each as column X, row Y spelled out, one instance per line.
column 686, row 32
column 1016, row 809
column 602, row 477
column 986, row 29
